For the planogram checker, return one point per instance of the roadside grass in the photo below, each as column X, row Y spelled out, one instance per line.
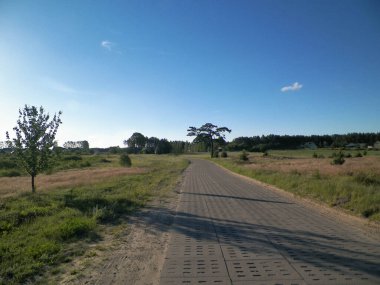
column 354, row 186
column 42, row 230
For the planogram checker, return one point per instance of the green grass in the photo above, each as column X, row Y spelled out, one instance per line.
column 38, row 230
column 358, row 193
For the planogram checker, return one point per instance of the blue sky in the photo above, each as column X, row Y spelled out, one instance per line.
column 157, row 67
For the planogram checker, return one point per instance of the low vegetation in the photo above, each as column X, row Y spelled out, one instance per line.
column 43, row 229
column 353, row 186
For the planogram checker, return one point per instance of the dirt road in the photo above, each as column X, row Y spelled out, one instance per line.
column 230, row 231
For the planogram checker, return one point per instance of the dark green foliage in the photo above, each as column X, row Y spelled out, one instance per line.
column 125, row 160
column 338, row 158
column 265, row 153
column 365, row 152
column 216, row 154
column 209, row 134
column 315, row 155
column 243, row 156
column 72, row 157
column 136, row 142
column 224, row 154
column 358, row 154
column 257, row 143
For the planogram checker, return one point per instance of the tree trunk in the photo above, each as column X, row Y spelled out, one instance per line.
column 212, row 148
column 33, row 187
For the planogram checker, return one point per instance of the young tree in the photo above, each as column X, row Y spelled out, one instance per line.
column 34, row 140
column 208, row 133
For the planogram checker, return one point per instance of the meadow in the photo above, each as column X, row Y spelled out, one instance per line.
column 74, row 204
column 353, row 186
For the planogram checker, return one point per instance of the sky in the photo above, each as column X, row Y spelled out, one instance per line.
column 158, row 67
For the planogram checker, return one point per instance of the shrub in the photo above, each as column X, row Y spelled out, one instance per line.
column 224, row 154
column 315, row 155
column 265, row 153
column 85, row 164
column 244, row 156
column 72, row 157
column 125, row 160
column 216, row 154
column 11, row 173
column 338, row 159
column 365, row 152
column 358, row 155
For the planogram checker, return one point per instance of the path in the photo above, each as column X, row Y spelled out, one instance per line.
column 230, row 231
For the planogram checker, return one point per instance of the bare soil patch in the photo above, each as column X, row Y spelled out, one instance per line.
column 10, row 186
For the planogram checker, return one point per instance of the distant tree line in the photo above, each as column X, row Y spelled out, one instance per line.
column 263, row 143
column 77, row 145
column 138, row 143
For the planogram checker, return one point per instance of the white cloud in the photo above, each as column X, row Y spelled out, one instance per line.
column 294, row 87
column 107, row 45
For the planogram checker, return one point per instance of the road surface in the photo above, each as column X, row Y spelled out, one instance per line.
column 228, row 230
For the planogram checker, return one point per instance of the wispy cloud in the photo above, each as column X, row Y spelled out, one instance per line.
column 63, row 88
column 294, row 87
column 59, row 86
column 108, row 45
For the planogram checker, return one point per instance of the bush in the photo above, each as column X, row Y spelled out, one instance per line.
column 224, row 154
column 365, row 152
column 315, row 155
column 10, row 173
column 85, row 164
column 338, row 159
column 72, row 157
column 125, row 160
column 216, row 154
column 244, row 156
column 358, row 155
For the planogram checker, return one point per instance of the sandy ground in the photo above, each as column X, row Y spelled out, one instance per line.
column 129, row 253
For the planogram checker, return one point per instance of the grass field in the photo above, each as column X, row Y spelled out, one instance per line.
column 39, row 231
column 353, row 186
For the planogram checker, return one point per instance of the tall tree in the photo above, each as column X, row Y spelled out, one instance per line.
column 136, row 141
column 208, row 133
column 34, row 142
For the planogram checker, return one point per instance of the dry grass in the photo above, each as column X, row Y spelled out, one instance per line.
column 312, row 165
column 10, row 186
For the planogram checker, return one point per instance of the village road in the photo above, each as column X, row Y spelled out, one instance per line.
column 228, row 230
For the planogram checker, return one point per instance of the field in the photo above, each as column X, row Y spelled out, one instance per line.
column 353, row 186
column 73, row 208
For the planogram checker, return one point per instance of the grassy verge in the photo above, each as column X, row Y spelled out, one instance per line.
column 357, row 192
column 40, row 231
